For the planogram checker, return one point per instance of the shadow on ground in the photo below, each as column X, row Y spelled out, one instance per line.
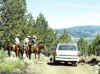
column 60, row 64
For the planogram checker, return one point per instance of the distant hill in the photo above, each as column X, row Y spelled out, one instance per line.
column 82, row 31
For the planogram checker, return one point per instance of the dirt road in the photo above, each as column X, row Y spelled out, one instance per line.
column 44, row 68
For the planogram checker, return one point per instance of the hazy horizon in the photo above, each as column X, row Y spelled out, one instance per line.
column 66, row 13
column 80, row 26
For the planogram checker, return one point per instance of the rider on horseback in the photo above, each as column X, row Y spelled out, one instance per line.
column 17, row 41
column 34, row 39
column 26, row 45
column 26, row 42
column 17, row 47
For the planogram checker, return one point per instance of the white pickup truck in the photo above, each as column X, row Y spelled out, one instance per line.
column 66, row 53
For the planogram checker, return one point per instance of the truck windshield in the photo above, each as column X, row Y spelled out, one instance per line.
column 67, row 47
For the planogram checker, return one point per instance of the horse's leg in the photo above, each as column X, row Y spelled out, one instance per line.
column 26, row 49
column 8, row 53
column 21, row 52
column 29, row 54
column 9, row 49
column 35, row 55
column 26, row 53
column 17, row 52
column 38, row 56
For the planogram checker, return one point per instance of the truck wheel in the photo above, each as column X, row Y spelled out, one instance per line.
column 66, row 62
column 55, row 62
column 74, row 63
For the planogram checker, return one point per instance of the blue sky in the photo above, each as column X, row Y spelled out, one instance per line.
column 66, row 13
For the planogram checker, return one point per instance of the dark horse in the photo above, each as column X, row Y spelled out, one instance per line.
column 27, row 50
column 9, row 48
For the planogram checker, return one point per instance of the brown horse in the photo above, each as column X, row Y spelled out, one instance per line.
column 10, row 48
column 17, row 50
column 37, row 50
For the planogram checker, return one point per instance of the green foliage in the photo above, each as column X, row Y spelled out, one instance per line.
column 19, row 22
column 96, row 45
column 2, row 55
column 65, row 38
column 45, row 34
column 9, row 64
column 41, row 22
column 12, row 14
column 6, row 67
column 83, row 46
column 89, row 49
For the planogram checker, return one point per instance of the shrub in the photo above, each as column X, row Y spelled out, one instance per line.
column 2, row 55
column 10, row 64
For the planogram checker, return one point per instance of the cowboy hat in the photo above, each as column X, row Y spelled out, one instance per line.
column 34, row 37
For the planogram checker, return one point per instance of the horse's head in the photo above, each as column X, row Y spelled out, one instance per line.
column 41, row 46
column 10, row 46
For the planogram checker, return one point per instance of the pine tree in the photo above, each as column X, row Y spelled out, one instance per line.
column 65, row 37
column 83, row 46
column 96, row 45
column 13, row 16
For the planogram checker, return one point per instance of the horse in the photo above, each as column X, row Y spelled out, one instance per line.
column 37, row 50
column 9, row 48
column 15, row 48
column 27, row 50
